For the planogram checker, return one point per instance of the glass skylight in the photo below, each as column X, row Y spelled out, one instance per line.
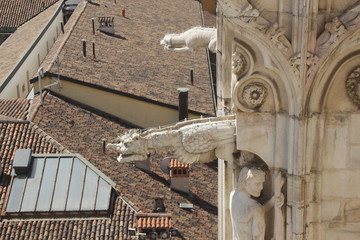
column 59, row 184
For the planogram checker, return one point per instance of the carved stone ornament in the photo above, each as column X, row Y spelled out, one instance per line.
column 277, row 37
column 254, row 95
column 333, row 31
column 352, row 86
column 197, row 140
column 239, row 63
column 196, row 38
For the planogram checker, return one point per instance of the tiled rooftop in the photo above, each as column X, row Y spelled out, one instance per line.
column 15, row 13
column 22, row 134
column 81, row 131
column 81, row 228
column 132, row 62
column 15, row 108
column 15, row 134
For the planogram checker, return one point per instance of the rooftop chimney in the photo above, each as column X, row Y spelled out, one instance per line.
column 183, row 103
column 22, row 161
column 179, row 175
column 107, row 25
column 153, row 225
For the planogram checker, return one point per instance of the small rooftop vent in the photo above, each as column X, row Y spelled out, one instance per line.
column 106, row 25
column 22, row 161
column 186, row 206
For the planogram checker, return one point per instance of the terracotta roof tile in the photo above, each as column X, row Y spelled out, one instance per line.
column 81, row 131
column 98, row 228
column 153, row 220
column 15, row 108
column 173, row 163
column 23, row 134
column 15, row 13
column 133, row 62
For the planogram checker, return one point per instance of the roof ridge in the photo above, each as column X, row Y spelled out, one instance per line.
column 129, row 203
column 67, row 34
column 6, row 119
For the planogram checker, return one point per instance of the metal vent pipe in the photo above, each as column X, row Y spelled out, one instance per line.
column 183, row 103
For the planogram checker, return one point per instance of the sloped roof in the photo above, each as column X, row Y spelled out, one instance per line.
column 15, row 134
column 22, row 134
column 15, row 48
column 82, row 131
column 132, row 62
column 15, row 108
column 15, row 13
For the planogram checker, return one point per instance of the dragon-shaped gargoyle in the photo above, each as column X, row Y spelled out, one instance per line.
column 199, row 140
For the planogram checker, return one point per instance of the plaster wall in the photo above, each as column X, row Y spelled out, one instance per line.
column 141, row 113
column 18, row 85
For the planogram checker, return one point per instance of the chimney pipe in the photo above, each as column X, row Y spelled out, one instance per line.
column 103, row 145
column 183, row 103
column 93, row 48
column 192, row 76
column 123, row 12
column 84, row 47
column 93, row 25
column 62, row 27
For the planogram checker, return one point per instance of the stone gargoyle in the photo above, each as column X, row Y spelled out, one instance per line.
column 198, row 140
column 195, row 38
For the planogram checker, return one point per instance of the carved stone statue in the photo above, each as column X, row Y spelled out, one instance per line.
column 198, row 140
column 247, row 214
column 195, row 38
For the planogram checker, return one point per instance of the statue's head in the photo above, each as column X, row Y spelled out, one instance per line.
column 166, row 41
column 131, row 147
column 251, row 180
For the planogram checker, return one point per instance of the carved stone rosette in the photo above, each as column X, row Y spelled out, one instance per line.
column 352, row 86
column 254, row 94
column 250, row 94
column 239, row 63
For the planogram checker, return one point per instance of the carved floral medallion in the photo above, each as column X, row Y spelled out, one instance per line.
column 352, row 86
column 254, row 95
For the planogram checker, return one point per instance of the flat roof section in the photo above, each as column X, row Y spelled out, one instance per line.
column 60, row 184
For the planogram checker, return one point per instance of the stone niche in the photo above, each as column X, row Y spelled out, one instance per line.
column 339, row 163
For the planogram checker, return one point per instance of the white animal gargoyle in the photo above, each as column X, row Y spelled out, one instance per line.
column 195, row 38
